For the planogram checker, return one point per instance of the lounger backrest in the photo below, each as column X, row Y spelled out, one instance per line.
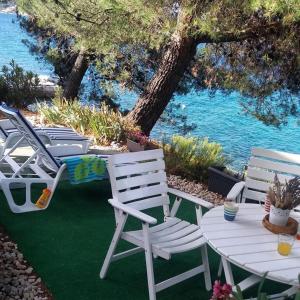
column 139, row 179
column 263, row 166
column 5, row 125
column 25, row 128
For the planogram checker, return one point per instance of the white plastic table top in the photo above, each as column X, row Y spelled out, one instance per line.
column 246, row 243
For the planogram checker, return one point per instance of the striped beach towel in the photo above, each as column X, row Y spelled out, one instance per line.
column 85, row 168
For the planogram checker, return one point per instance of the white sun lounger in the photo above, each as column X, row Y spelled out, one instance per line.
column 49, row 135
column 44, row 166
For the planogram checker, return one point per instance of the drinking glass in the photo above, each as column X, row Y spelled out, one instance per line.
column 285, row 243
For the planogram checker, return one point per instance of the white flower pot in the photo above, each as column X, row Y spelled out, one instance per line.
column 279, row 216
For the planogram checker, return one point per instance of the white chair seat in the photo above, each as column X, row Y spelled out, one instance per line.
column 170, row 237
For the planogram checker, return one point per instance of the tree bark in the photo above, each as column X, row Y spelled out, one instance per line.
column 162, row 86
column 72, row 84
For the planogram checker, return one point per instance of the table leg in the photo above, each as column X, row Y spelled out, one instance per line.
column 287, row 293
column 227, row 271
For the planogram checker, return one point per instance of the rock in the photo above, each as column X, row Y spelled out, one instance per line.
column 17, row 278
column 29, row 270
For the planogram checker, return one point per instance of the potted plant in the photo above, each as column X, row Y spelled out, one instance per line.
column 283, row 198
column 137, row 141
column 221, row 180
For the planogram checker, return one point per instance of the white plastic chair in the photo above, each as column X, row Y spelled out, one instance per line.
column 262, row 167
column 44, row 166
column 139, row 182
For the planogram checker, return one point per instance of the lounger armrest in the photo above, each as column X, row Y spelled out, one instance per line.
column 132, row 211
column 235, row 191
column 191, row 198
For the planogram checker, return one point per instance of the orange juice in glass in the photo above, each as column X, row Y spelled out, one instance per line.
column 285, row 243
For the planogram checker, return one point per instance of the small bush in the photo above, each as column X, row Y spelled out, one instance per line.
column 191, row 157
column 18, row 87
column 103, row 124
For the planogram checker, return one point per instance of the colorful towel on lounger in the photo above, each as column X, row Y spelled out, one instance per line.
column 85, row 168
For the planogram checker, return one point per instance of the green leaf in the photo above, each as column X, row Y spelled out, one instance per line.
column 238, row 294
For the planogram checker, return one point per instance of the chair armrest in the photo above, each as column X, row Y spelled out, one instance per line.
column 235, row 190
column 191, row 198
column 132, row 211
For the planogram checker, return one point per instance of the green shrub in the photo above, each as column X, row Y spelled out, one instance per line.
column 18, row 87
column 191, row 157
column 103, row 124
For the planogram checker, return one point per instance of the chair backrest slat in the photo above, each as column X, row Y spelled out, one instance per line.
column 150, row 202
column 139, row 179
column 257, row 184
column 26, row 130
column 131, row 158
column 268, row 176
column 255, row 195
column 262, row 167
column 151, row 178
column 275, row 166
column 143, row 192
column 140, row 166
column 276, row 155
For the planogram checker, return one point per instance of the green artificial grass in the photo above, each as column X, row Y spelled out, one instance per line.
column 66, row 244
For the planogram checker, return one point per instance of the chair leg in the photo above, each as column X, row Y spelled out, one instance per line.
column 207, row 277
column 149, row 263
column 119, row 229
column 220, row 269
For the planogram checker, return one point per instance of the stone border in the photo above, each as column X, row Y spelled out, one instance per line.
column 17, row 278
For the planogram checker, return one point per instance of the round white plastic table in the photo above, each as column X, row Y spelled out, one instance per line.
column 246, row 243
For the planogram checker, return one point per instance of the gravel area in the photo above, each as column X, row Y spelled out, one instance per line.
column 17, row 279
column 195, row 188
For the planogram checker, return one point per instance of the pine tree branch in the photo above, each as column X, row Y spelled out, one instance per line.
column 250, row 33
column 78, row 16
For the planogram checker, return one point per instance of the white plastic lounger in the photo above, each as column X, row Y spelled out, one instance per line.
column 49, row 135
column 35, row 170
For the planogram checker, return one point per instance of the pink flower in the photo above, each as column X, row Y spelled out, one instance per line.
column 221, row 291
column 227, row 289
column 139, row 137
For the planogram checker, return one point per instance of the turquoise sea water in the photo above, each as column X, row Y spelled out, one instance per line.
column 11, row 47
column 220, row 117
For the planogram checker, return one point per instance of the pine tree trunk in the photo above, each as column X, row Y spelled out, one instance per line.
column 72, row 84
column 162, row 86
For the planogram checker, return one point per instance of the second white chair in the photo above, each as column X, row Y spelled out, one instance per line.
column 139, row 182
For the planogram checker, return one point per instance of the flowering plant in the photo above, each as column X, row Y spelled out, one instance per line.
column 221, row 291
column 285, row 196
column 138, row 137
column 224, row 291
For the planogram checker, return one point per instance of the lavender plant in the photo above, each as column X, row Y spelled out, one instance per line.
column 286, row 196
